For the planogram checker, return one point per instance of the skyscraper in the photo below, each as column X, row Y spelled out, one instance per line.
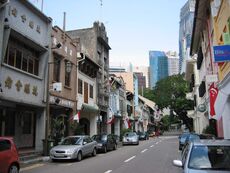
column 173, row 63
column 158, row 62
column 185, row 32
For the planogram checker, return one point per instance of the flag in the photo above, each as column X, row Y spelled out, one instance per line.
column 127, row 123
column 111, row 120
column 77, row 117
column 213, row 92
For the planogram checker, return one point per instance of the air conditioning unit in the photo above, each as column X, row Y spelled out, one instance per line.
column 57, row 86
column 79, row 55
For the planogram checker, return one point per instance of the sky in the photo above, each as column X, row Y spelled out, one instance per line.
column 134, row 27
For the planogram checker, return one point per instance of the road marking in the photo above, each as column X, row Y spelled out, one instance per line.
column 129, row 159
column 68, row 164
column 152, row 146
column 31, row 167
column 144, row 150
column 157, row 142
column 108, row 171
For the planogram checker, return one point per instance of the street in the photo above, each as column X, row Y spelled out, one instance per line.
column 152, row 156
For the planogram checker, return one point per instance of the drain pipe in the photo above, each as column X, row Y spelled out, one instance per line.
column 3, row 5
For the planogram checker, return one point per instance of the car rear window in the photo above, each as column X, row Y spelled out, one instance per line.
column 210, row 157
column 4, row 145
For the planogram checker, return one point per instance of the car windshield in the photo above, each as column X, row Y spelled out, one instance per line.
column 99, row 137
column 130, row 134
column 71, row 141
column 210, row 157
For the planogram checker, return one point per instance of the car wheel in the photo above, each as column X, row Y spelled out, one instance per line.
column 94, row 153
column 79, row 156
column 105, row 149
column 13, row 169
column 115, row 146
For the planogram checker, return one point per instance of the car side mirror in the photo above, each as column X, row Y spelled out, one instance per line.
column 177, row 163
column 84, row 143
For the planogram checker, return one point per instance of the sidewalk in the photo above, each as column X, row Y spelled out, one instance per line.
column 28, row 162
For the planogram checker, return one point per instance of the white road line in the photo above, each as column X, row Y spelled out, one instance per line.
column 129, row 159
column 31, row 167
column 157, row 142
column 144, row 150
column 152, row 146
column 108, row 171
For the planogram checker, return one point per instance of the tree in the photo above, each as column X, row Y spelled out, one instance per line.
column 170, row 93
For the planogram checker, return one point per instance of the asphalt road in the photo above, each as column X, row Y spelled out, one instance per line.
column 151, row 156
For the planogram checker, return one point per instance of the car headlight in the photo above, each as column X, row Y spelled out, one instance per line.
column 100, row 145
column 70, row 151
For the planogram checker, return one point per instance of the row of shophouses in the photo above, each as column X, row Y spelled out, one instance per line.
column 208, row 70
column 55, row 83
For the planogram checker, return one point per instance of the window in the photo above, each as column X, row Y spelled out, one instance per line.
column 67, row 76
column 22, row 57
column 79, row 86
column 67, row 79
column 86, row 97
column 5, row 145
column 56, row 69
column 91, row 91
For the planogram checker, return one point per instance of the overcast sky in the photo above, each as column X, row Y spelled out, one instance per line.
column 134, row 27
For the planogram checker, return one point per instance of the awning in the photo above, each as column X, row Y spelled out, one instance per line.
column 89, row 108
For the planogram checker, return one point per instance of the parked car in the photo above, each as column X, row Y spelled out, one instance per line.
column 74, row 147
column 105, row 142
column 9, row 159
column 116, row 137
column 182, row 139
column 130, row 138
column 205, row 156
column 143, row 135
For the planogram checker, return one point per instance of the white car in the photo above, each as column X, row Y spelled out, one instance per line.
column 205, row 156
column 130, row 138
column 74, row 147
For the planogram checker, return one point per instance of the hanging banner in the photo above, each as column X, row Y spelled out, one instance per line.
column 213, row 92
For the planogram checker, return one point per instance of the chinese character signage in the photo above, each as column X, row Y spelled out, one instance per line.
column 221, row 53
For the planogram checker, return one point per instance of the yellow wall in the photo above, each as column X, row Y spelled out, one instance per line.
column 221, row 26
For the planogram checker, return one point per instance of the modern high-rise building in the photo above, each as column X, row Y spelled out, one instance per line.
column 185, row 32
column 173, row 63
column 158, row 62
column 145, row 71
column 141, row 80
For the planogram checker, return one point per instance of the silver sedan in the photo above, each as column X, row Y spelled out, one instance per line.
column 130, row 138
column 74, row 147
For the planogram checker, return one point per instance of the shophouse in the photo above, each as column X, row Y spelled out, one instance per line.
column 221, row 21
column 25, row 44
column 62, row 83
column 95, row 43
column 206, row 81
column 117, row 105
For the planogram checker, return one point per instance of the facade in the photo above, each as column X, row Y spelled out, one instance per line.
column 25, row 35
column 221, row 22
column 62, row 74
column 206, row 80
column 144, row 70
column 185, row 32
column 95, row 44
column 117, row 105
column 158, row 64
column 131, row 84
column 173, row 63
